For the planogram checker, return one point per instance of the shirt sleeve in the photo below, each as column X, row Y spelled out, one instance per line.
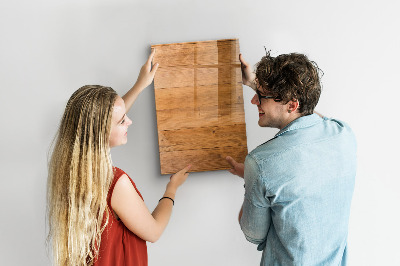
column 256, row 216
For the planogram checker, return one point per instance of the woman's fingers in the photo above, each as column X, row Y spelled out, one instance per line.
column 180, row 177
column 151, row 56
column 155, row 67
column 187, row 168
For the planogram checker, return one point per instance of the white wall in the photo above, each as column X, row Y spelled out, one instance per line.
column 49, row 49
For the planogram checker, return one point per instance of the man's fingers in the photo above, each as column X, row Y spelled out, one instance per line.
column 231, row 161
column 244, row 63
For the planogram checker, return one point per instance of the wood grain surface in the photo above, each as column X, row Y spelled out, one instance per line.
column 199, row 105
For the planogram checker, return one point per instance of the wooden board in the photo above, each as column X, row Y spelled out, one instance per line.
column 199, row 105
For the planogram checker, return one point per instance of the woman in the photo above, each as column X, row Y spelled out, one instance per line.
column 96, row 214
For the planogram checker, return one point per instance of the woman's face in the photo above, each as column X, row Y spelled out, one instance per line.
column 119, row 124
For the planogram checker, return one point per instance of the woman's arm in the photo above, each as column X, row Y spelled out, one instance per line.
column 145, row 78
column 131, row 209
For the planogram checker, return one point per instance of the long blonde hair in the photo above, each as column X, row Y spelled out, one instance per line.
column 80, row 174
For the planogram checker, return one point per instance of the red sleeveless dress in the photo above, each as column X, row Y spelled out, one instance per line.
column 119, row 246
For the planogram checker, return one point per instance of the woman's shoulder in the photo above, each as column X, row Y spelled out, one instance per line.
column 118, row 172
column 121, row 175
column 123, row 180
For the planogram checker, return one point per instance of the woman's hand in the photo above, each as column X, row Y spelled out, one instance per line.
column 146, row 74
column 248, row 75
column 145, row 78
column 237, row 168
column 179, row 178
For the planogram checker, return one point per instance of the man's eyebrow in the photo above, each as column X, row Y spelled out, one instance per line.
column 121, row 118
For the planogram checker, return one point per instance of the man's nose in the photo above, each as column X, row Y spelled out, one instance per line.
column 254, row 100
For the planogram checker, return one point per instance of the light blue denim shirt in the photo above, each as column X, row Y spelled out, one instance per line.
column 298, row 190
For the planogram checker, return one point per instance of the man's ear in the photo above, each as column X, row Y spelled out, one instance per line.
column 293, row 105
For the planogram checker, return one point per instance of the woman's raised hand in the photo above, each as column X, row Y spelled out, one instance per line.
column 145, row 78
column 147, row 72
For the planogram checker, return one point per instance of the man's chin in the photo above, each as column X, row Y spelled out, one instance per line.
column 261, row 124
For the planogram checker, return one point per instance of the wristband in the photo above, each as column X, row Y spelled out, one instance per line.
column 173, row 202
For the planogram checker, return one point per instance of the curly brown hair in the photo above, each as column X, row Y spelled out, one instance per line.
column 290, row 77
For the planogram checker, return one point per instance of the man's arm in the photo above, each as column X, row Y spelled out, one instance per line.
column 254, row 216
column 319, row 114
column 237, row 169
column 254, row 222
column 240, row 213
column 248, row 75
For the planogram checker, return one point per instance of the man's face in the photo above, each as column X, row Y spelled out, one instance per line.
column 270, row 113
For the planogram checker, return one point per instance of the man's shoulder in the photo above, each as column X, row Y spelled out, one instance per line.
column 269, row 152
column 294, row 140
column 273, row 147
column 265, row 150
column 336, row 122
column 336, row 128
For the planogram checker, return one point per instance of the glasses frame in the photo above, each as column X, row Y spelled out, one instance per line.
column 276, row 99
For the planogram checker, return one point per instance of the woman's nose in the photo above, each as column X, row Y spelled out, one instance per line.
column 129, row 122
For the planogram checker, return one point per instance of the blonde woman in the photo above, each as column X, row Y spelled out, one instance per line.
column 96, row 214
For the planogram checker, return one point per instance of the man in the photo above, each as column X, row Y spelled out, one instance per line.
column 299, row 184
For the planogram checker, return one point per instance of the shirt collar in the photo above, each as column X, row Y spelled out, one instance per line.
column 301, row 122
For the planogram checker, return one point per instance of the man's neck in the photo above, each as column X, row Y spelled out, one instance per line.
column 289, row 120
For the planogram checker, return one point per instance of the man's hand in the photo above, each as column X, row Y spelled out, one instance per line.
column 248, row 75
column 237, row 168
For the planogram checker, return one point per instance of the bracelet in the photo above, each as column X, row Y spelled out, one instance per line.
column 173, row 202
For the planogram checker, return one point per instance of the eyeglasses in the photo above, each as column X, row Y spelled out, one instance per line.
column 276, row 99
